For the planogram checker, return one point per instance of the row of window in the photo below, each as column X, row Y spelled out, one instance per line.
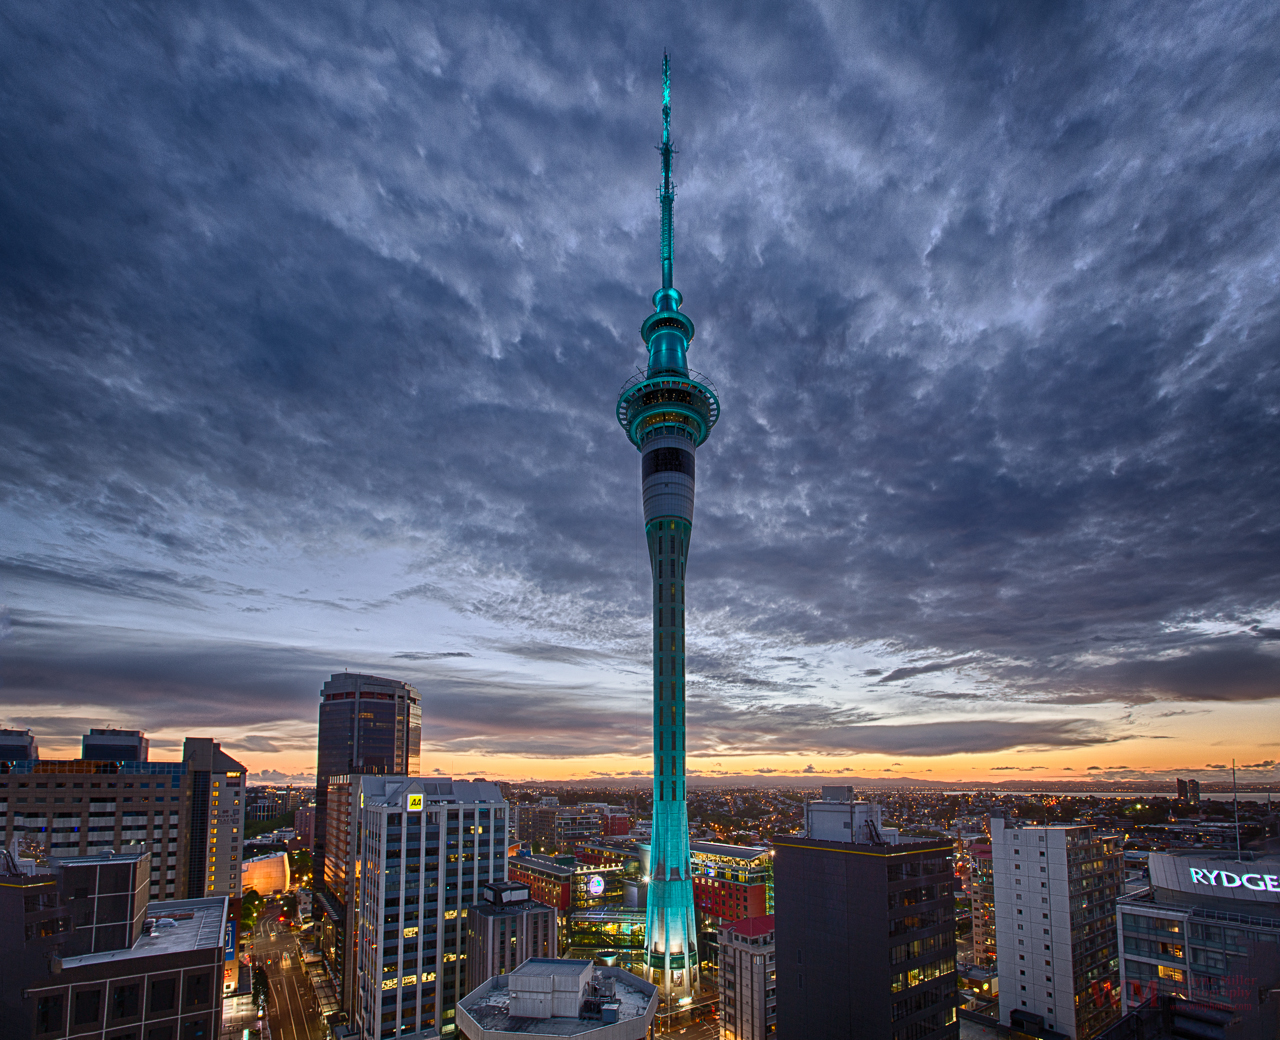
column 126, row 1002
column 924, row 973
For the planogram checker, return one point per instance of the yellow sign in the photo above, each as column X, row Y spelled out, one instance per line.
column 415, row 802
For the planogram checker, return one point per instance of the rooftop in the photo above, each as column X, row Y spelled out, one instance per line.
column 715, row 848
column 751, row 926
column 488, row 1005
column 197, row 924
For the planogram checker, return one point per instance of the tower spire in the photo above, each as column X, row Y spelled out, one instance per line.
column 668, row 193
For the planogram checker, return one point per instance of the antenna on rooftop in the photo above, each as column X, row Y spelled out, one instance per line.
column 1235, row 798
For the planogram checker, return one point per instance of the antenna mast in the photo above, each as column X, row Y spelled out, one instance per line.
column 668, row 193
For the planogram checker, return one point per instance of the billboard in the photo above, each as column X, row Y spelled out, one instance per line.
column 1219, row 876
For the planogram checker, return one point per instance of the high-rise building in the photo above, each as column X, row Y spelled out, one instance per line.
column 216, row 820
column 83, row 954
column 427, row 847
column 368, row 725
column 748, row 970
column 1056, row 889
column 504, row 929
column 114, row 745
column 187, row 815
column 865, row 928
column 982, row 903
column 18, row 745
column 667, row 412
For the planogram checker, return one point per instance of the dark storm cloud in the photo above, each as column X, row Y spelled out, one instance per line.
column 988, row 292
column 933, row 666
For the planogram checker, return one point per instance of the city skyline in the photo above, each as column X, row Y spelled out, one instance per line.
column 313, row 325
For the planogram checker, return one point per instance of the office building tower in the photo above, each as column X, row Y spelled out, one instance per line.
column 77, row 808
column 1182, row 789
column 83, row 954
column 667, row 413
column 543, row 999
column 114, row 745
column 368, row 725
column 748, row 970
column 18, row 745
column 504, row 929
column 1206, row 923
column 1193, row 792
column 1056, row 889
column 982, row 903
column 216, row 820
column 427, row 847
column 865, row 929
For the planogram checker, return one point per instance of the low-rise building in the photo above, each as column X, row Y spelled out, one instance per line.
column 268, row 874
column 546, row 998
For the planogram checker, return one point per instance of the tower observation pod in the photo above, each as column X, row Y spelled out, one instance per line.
column 667, row 412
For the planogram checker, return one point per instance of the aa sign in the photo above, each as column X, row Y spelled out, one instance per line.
column 415, row 802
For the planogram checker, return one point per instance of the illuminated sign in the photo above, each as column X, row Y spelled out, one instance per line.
column 596, row 885
column 1227, row 879
column 415, row 803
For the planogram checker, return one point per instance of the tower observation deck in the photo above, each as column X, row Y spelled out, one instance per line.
column 667, row 411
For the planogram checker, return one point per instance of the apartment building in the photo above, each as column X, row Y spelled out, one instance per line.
column 1056, row 947
column 748, row 986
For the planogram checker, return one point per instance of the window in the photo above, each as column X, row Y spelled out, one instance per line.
column 124, row 1000
column 49, row 1014
column 197, row 990
column 88, row 1007
column 195, row 1029
column 163, row 995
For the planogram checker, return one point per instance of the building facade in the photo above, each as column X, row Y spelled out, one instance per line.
column 667, row 413
column 748, row 980
column 187, row 816
column 865, row 934
column 504, row 929
column 1207, row 930
column 426, row 848
column 1057, row 953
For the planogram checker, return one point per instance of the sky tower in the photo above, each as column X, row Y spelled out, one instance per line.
column 667, row 412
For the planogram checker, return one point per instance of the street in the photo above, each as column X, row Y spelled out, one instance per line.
column 291, row 1012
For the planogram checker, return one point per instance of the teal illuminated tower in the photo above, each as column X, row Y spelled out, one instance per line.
column 667, row 412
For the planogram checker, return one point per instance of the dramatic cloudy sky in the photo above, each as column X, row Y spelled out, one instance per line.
column 313, row 318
